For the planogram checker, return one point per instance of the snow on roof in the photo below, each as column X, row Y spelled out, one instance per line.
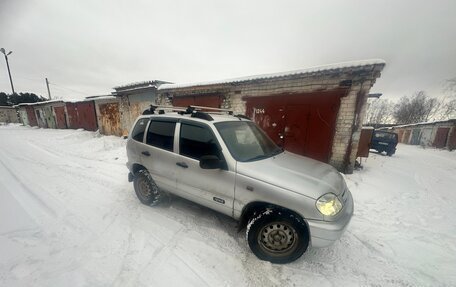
column 39, row 103
column 140, row 85
column 424, row 123
column 96, row 98
column 91, row 98
column 78, row 100
column 316, row 69
column 7, row 107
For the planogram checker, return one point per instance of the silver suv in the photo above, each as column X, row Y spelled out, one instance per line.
column 227, row 163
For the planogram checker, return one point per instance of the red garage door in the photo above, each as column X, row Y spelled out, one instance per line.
column 31, row 116
column 87, row 116
column 213, row 101
column 73, row 119
column 406, row 137
column 60, row 117
column 452, row 140
column 301, row 123
column 441, row 137
column 400, row 135
column 82, row 115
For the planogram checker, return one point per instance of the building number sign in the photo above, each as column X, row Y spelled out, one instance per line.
column 258, row 111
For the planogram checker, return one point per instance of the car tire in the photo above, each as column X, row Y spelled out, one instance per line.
column 146, row 189
column 277, row 236
column 389, row 153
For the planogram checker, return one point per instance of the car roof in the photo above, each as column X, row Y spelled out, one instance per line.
column 216, row 117
column 386, row 132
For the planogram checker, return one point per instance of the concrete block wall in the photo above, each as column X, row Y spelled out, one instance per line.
column 131, row 106
column 268, row 87
column 23, row 117
column 8, row 115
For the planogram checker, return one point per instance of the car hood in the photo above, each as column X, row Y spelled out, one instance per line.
column 296, row 173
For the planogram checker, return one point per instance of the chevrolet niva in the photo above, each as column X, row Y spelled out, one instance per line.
column 227, row 163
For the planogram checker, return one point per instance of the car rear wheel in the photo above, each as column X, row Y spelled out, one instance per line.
column 277, row 236
column 146, row 189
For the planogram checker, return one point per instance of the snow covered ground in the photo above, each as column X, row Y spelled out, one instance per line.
column 69, row 217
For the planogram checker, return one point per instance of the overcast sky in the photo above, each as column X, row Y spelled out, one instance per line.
column 88, row 48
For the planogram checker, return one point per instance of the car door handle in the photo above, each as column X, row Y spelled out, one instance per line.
column 146, row 153
column 182, row 164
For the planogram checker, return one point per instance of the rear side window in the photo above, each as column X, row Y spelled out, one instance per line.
column 138, row 132
column 196, row 141
column 161, row 134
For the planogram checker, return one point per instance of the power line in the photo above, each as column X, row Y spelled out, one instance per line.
column 53, row 84
column 69, row 89
column 29, row 79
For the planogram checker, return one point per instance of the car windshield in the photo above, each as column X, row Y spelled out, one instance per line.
column 247, row 142
column 387, row 136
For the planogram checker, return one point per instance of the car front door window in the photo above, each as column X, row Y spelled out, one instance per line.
column 196, row 141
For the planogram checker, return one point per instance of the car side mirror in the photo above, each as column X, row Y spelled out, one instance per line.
column 210, row 162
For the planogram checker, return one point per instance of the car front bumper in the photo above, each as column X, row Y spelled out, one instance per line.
column 325, row 233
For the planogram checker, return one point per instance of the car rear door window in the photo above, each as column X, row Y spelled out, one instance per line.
column 161, row 134
column 196, row 141
column 138, row 131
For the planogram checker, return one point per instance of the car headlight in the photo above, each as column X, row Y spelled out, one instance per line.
column 329, row 204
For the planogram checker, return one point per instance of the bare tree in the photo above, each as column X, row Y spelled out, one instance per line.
column 379, row 111
column 415, row 109
column 448, row 110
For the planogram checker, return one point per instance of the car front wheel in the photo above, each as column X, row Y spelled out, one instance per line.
column 146, row 189
column 277, row 236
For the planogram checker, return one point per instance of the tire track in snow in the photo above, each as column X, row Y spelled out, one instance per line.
column 35, row 198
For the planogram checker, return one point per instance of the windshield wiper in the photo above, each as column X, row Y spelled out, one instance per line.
column 277, row 151
column 261, row 156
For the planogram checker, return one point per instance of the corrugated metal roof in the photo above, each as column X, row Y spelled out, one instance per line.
column 311, row 70
column 96, row 98
column 140, row 85
column 425, row 123
column 40, row 103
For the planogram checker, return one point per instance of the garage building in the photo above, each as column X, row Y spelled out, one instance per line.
column 133, row 100
column 438, row 134
column 316, row 112
column 8, row 115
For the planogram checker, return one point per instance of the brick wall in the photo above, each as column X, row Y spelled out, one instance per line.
column 131, row 106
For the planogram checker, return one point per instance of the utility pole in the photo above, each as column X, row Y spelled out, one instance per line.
column 49, row 91
column 7, row 65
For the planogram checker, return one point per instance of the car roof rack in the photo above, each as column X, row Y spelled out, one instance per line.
column 200, row 112
column 161, row 109
column 202, row 115
column 212, row 110
column 239, row 116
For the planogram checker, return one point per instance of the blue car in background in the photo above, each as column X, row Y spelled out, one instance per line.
column 383, row 141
